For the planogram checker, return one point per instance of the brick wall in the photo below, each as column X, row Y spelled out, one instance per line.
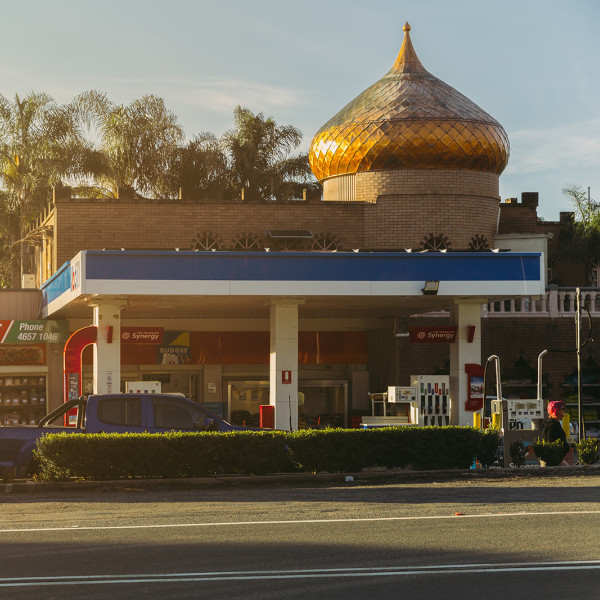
column 521, row 217
column 512, row 339
column 413, row 204
column 93, row 225
column 518, row 218
column 410, row 205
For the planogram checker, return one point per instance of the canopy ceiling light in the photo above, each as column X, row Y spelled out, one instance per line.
column 431, row 288
column 292, row 234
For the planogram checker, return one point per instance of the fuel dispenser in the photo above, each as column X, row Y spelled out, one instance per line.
column 394, row 408
column 518, row 419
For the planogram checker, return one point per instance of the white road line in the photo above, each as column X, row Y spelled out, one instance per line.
column 299, row 521
column 299, row 574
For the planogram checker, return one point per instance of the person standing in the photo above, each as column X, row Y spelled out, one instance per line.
column 552, row 428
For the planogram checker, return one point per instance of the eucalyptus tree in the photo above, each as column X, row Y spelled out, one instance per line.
column 261, row 159
column 40, row 143
column 135, row 142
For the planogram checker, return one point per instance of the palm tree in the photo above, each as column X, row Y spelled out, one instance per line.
column 9, row 231
column 581, row 240
column 200, row 167
column 260, row 161
column 135, row 142
column 40, row 143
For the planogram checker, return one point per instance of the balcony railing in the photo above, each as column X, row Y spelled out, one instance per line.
column 561, row 302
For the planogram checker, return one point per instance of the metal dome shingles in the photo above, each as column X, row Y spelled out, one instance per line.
column 409, row 119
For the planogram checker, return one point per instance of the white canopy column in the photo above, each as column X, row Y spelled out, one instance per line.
column 283, row 375
column 107, row 349
column 465, row 314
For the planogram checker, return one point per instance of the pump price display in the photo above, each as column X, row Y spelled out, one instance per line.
column 34, row 332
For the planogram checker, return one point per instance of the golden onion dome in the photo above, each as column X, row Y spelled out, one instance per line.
column 409, row 119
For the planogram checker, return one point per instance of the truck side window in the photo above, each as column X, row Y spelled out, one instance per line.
column 167, row 416
column 120, row 411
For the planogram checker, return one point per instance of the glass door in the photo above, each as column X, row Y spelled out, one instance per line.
column 322, row 403
column 325, row 404
column 244, row 399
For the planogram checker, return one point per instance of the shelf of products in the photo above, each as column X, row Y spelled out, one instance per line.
column 22, row 399
column 520, row 388
column 590, row 399
column 520, row 380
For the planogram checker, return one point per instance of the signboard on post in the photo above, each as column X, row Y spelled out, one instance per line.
column 475, row 374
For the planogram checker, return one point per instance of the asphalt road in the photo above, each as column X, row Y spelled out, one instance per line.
column 466, row 538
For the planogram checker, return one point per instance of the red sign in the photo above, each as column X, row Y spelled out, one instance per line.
column 4, row 329
column 286, row 377
column 141, row 335
column 445, row 334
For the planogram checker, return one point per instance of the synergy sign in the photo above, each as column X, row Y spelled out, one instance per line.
column 141, row 335
column 433, row 335
column 34, row 332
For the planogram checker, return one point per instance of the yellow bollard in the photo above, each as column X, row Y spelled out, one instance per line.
column 565, row 425
column 496, row 421
column 477, row 420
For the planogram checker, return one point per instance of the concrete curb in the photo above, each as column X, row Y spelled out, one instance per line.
column 227, row 481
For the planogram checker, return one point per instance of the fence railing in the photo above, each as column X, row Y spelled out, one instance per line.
column 561, row 302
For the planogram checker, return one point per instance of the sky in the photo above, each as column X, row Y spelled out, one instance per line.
column 531, row 64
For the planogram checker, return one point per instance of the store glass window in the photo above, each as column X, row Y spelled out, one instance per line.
column 121, row 411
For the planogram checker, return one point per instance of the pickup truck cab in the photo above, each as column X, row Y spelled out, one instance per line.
column 107, row 413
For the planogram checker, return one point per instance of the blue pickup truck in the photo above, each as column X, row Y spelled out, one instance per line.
column 107, row 413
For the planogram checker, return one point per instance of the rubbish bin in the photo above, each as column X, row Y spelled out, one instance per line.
column 267, row 416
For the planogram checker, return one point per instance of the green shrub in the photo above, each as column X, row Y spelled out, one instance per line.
column 338, row 450
column 551, row 453
column 587, row 451
column 105, row 456
column 443, row 447
column 490, row 442
column 518, row 453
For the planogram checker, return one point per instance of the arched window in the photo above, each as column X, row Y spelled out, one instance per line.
column 248, row 242
column 435, row 242
column 286, row 245
column 478, row 242
column 206, row 241
column 324, row 243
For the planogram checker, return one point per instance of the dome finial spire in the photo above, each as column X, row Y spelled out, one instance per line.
column 408, row 61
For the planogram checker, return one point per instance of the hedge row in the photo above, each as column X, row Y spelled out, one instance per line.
column 171, row 455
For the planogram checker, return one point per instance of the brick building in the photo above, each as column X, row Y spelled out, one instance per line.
column 411, row 165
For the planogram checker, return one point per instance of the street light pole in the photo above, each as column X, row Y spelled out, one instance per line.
column 578, row 342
